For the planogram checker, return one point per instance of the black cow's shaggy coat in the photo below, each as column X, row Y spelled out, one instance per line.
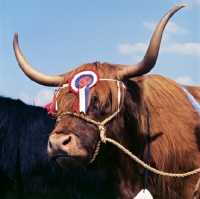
column 25, row 170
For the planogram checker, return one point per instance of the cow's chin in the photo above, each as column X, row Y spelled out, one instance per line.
column 70, row 162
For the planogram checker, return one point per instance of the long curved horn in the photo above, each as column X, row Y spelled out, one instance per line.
column 151, row 55
column 32, row 73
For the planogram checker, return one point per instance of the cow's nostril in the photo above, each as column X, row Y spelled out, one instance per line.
column 50, row 145
column 67, row 140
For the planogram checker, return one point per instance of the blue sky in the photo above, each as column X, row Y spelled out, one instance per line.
column 56, row 36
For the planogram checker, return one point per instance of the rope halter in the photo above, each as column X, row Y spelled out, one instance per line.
column 104, row 139
column 100, row 125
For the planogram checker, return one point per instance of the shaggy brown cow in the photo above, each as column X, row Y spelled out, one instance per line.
column 131, row 110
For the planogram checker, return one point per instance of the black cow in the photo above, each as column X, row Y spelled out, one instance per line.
column 25, row 170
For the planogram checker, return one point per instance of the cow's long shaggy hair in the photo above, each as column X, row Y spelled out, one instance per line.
column 174, row 129
column 175, row 135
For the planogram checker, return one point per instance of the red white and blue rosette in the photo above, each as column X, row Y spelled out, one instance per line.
column 80, row 84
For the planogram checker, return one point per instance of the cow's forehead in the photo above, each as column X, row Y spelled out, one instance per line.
column 105, row 90
column 105, row 70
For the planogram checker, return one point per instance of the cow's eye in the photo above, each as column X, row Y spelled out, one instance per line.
column 95, row 103
column 108, row 103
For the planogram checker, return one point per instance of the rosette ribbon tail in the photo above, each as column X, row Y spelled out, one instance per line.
column 83, row 98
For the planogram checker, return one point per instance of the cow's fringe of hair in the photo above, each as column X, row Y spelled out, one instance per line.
column 68, row 99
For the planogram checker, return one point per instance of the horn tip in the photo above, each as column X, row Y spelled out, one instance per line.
column 184, row 5
column 16, row 34
column 15, row 40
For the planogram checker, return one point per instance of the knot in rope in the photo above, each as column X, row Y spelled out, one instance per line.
column 102, row 133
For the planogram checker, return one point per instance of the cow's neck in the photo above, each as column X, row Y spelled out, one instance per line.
column 126, row 181
column 128, row 175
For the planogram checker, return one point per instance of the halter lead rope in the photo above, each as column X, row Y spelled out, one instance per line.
column 104, row 139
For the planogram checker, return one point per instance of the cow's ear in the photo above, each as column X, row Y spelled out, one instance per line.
column 137, row 79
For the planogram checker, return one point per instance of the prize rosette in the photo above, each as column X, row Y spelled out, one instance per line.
column 80, row 84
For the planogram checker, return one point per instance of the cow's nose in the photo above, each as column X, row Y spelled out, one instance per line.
column 58, row 141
